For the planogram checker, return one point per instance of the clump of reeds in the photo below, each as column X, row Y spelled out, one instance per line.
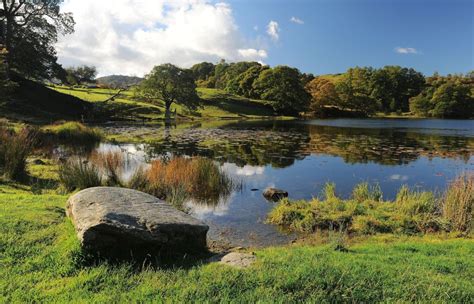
column 73, row 133
column 181, row 178
column 78, row 173
column 110, row 165
column 365, row 212
column 15, row 147
column 458, row 202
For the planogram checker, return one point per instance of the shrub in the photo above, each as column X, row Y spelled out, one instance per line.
column 78, row 174
column 15, row 147
column 364, row 191
column 411, row 202
column 458, row 202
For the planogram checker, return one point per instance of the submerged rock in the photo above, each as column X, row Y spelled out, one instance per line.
column 274, row 194
column 127, row 223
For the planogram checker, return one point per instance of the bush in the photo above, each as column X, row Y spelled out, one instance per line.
column 458, row 202
column 15, row 147
column 78, row 174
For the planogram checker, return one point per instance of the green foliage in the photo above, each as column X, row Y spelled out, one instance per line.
column 170, row 84
column 15, row 147
column 366, row 213
column 243, row 84
column 354, row 90
column 31, row 30
column 6, row 86
column 282, row 87
column 78, row 174
column 81, row 74
column 451, row 96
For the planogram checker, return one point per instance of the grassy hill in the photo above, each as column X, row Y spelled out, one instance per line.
column 215, row 104
column 33, row 101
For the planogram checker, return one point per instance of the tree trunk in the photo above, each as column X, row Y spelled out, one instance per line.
column 167, row 111
column 8, row 42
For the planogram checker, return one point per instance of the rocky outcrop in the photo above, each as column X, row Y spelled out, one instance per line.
column 122, row 223
column 274, row 194
column 238, row 259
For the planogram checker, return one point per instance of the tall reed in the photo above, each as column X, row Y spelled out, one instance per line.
column 78, row 174
column 15, row 147
column 111, row 166
column 458, row 202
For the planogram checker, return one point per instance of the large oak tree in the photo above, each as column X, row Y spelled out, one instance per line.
column 28, row 30
column 170, row 84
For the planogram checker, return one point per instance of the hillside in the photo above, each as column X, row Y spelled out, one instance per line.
column 215, row 104
column 118, row 81
column 33, row 100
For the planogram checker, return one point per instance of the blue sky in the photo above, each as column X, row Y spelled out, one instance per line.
column 338, row 34
column 326, row 36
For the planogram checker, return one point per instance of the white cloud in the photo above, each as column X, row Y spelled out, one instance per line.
column 248, row 170
column 253, row 53
column 273, row 30
column 131, row 36
column 406, row 50
column 296, row 20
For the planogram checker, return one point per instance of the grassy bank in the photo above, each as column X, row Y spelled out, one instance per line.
column 215, row 104
column 40, row 256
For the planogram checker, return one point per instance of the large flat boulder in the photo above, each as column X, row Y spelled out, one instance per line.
column 122, row 222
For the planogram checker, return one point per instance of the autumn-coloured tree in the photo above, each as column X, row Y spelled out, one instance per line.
column 323, row 93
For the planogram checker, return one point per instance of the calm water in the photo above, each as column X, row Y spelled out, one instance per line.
column 301, row 156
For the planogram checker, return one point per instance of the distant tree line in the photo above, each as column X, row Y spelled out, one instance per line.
column 360, row 90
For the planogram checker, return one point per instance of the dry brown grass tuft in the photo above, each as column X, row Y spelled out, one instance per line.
column 111, row 166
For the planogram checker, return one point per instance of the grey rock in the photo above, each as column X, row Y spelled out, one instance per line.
column 274, row 194
column 238, row 259
column 127, row 223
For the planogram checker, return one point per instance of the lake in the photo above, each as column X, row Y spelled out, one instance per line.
column 300, row 157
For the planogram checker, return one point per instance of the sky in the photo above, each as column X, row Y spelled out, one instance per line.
column 129, row 37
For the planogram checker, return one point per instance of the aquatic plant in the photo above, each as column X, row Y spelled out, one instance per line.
column 15, row 147
column 78, row 173
column 181, row 178
column 110, row 164
column 458, row 202
column 365, row 213
column 72, row 133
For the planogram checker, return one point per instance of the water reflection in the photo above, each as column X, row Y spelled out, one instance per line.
column 301, row 156
column 280, row 144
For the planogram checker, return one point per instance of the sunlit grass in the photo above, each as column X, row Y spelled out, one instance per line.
column 365, row 213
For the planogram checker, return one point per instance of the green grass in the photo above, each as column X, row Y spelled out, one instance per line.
column 216, row 104
column 72, row 132
column 41, row 262
column 365, row 213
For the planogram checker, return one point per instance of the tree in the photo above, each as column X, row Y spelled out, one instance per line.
column 29, row 31
column 202, row 72
column 6, row 86
column 243, row 83
column 323, row 93
column 393, row 86
column 283, row 88
column 170, row 84
column 81, row 74
column 354, row 90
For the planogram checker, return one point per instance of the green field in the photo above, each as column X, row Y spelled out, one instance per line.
column 41, row 261
column 215, row 104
